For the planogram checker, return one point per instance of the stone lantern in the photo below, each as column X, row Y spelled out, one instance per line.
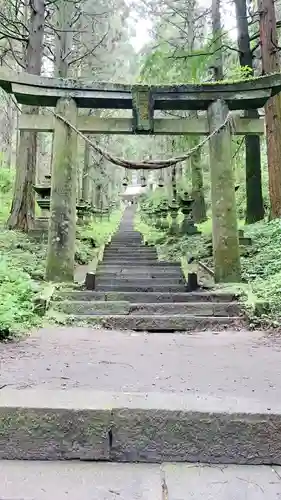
column 44, row 193
column 187, row 227
column 43, row 201
column 173, row 211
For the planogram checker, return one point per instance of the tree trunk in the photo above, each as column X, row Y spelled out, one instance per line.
column 9, row 132
column 174, row 182
column 254, row 200
column 98, row 196
column 217, row 41
column 23, row 205
column 86, row 173
column 199, row 205
column 64, row 38
column 270, row 64
column 197, row 193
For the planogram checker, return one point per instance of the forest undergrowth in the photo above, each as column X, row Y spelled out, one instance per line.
column 260, row 290
column 22, row 263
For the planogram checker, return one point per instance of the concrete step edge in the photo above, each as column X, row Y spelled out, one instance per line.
column 143, row 289
column 101, row 280
column 165, row 317
column 196, row 309
column 152, row 296
column 158, row 322
column 157, row 263
column 138, row 427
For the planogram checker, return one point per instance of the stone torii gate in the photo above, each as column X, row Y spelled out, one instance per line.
column 66, row 96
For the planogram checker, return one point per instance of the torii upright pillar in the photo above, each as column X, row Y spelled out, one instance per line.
column 224, row 218
column 62, row 223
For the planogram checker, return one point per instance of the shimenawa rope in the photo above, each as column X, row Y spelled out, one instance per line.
column 151, row 164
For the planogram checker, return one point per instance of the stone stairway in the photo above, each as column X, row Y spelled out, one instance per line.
column 167, row 416
column 134, row 291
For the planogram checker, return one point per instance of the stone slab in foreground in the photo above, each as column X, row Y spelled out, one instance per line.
column 143, row 427
column 109, row 481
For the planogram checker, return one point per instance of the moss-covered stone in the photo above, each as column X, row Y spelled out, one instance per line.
column 62, row 226
column 225, row 228
column 142, row 110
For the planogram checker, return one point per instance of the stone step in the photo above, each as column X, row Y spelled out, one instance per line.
column 171, row 308
column 159, row 322
column 126, row 241
column 131, row 263
column 157, row 264
column 150, row 427
column 137, row 273
column 141, row 297
column 128, row 249
column 135, row 247
column 138, row 246
column 132, row 254
column 132, row 481
column 139, row 281
column 122, row 242
column 123, row 245
column 127, row 228
column 154, row 268
column 128, row 255
column 191, row 308
column 140, row 264
column 138, row 288
column 92, row 307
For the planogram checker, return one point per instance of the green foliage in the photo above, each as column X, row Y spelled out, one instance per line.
column 22, row 263
column 6, row 186
column 6, row 180
column 100, row 230
column 241, row 73
column 261, row 270
column 93, row 235
column 165, row 65
column 17, row 291
column 265, row 255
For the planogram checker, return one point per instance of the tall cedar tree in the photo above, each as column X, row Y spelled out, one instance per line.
column 270, row 64
column 254, row 200
column 23, row 204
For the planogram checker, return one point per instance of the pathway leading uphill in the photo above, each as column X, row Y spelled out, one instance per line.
column 135, row 291
column 105, row 414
